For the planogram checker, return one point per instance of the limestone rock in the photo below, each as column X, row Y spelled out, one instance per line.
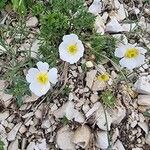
column 102, row 140
column 113, row 26
column 142, row 85
column 63, row 139
column 90, row 78
column 118, row 145
column 144, row 100
column 13, row 145
column 32, row 22
column 12, row 134
column 82, row 136
column 96, row 7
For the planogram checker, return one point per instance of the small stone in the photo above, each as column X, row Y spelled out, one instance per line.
column 98, row 85
column 54, row 107
column 143, row 126
column 118, row 145
column 89, row 64
column 31, row 146
column 99, row 27
column 46, row 124
column 63, row 139
column 142, row 85
column 121, row 13
column 13, row 145
column 22, row 129
column 93, row 109
column 90, row 78
column 82, row 136
column 4, row 115
column 32, row 22
column 29, row 99
column 133, row 124
column 34, row 48
column 128, row 27
column 12, row 134
column 102, row 139
column 144, row 100
column 94, row 98
column 38, row 114
column 145, row 66
column 113, row 26
column 96, row 7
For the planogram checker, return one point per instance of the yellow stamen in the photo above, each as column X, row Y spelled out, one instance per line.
column 42, row 77
column 72, row 49
column 131, row 53
column 103, row 77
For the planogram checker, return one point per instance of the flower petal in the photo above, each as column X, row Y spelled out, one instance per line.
column 128, row 63
column 120, row 51
column 141, row 50
column 38, row 89
column 53, row 75
column 140, row 60
column 70, row 37
column 42, row 66
column 31, row 75
column 65, row 56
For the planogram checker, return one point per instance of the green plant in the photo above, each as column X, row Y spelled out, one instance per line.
column 103, row 44
column 2, row 3
column 19, row 89
column 64, row 120
column 1, row 145
column 108, row 98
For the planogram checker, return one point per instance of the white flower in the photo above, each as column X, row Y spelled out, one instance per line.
column 40, row 78
column 71, row 49
column 131, row 55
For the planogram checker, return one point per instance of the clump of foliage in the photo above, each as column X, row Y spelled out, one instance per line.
column 103, row 44
column 108, row 98
column 19, row 89
column 1, row 145
column 64, row 120
column 61, row 18
column 2, row 3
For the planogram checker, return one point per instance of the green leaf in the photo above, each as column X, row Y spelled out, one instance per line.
column 2, row 3
column 19, row 6
column 108, row 98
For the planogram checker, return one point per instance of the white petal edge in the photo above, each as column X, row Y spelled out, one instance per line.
column 42, row 66
column 31, row 75
column 120, row 51
column 140, row 60
column 53, row 75
column 141, row 50
column 70, row 37
column 39, row 90
column 128, row 63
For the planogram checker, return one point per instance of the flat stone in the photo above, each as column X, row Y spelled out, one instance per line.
column 13, row 145
column 12, row 134
column 113, row 26
column 144, row 100
column 102, row 140
column 63, row 139
column 90, row 78
column 32, row 22
column 142, row 85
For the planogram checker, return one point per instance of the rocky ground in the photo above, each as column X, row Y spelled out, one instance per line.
column 75, row 117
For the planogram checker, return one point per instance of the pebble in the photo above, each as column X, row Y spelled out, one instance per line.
column 144, row 100
column 32, row 22
column 12, row 134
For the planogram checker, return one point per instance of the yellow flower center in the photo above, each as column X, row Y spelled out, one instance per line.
column 103, row 77
column 42, row 78
column 72, row 49
column 131, row 53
